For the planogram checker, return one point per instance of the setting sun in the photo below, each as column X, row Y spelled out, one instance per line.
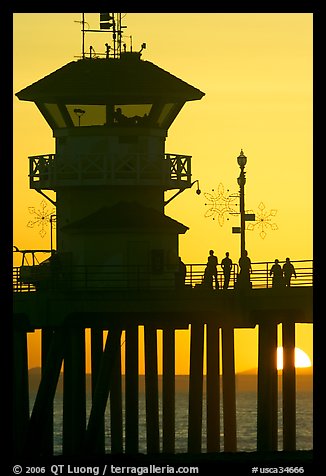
column 302, row 360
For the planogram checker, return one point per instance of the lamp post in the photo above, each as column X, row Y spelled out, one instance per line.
column 242, row 160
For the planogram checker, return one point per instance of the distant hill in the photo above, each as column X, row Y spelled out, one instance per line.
column 245, row 381
column 299, row 371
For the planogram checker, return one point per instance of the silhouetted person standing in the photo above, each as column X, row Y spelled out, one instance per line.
column 288, row 271
column 211, row 268
column 245, row 270
column 180, row 275
column 226, row 264
column 207, row 281
column 277, row 273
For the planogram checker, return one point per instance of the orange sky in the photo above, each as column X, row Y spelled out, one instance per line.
column 256, row 72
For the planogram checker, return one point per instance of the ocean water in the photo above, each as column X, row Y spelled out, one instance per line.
column 246, row 422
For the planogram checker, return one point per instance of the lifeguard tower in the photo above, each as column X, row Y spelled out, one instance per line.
column 110, row 117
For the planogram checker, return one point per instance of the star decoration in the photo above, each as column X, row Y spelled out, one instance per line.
column 220, row 203
column 264, row 220
column 42, row 217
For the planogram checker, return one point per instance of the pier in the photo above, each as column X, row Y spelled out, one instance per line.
column 63, row 315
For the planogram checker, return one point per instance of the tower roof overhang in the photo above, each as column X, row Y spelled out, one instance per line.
column 97, row 81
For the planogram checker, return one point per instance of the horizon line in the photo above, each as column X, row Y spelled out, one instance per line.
column 247, row 372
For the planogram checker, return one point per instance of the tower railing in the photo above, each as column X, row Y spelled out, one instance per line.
column 169, row 170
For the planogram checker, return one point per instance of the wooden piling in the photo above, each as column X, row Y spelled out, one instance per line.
column 168, row 390
column 151, row 390
column 116, row 408
column 267, row 387
column 213, row 387
column 288, row 387
column 103, row 387
column 20, row 389
column 195, row 387
column 229, row 390
column 131, row 390
column 74, row 391
column 47, row 441
column 96, row 355
column 42, row 409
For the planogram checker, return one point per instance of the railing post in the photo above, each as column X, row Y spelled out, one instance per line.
column 179, row 167
column 31, row 161
column 188, row 168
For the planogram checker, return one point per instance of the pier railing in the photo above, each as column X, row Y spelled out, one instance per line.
column 261, row 277
column 97, row 277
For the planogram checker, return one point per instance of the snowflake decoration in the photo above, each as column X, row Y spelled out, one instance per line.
column 42, row 217
column 220, row 203
column 263, row 220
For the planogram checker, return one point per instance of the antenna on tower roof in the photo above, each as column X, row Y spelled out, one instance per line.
column 109, row 23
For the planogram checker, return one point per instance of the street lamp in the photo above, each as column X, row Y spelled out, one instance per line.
column 242, row 160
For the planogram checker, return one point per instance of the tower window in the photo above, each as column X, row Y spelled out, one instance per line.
column 87, row 115
column 131, row 114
